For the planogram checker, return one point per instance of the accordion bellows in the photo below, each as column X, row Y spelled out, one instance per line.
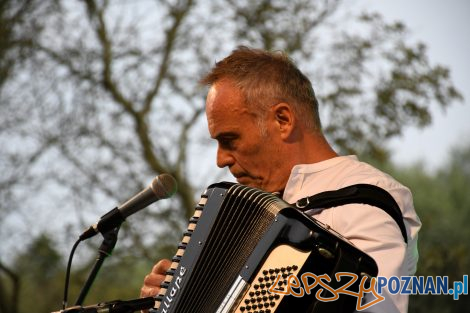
column 236, row 244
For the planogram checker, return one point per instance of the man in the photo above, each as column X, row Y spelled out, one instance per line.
column 263, row 113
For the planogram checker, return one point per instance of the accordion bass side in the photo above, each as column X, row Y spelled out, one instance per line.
column 236, row 244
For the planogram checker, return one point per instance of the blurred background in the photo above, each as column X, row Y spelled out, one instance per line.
column 98, row 97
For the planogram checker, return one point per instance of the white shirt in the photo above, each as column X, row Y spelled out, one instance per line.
column 369, row 228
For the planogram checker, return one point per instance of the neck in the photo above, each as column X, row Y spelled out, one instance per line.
column 314, row 148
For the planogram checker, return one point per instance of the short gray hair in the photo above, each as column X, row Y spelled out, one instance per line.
column 267, row 78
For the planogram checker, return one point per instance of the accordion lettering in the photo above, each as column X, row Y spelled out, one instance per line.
column 239, row 242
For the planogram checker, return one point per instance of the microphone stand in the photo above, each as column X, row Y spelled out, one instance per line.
column 107, row 246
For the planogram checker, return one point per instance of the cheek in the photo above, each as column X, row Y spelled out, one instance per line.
column 251, row 161
column 272, row 161
column 264, row 161
column 257, row 155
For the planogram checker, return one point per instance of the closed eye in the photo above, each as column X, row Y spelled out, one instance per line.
column 227, row 141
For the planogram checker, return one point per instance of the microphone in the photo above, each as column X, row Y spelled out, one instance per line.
column 162, row 187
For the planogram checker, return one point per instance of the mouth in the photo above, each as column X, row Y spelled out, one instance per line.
column 242, row 180
column 246, row 180
column 240, row 177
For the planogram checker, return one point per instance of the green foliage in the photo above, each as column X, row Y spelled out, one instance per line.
column 42, row 276
column 119, row 278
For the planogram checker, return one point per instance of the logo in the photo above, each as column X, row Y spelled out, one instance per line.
column 420, row 285
column 175, row 288
column 405, row 285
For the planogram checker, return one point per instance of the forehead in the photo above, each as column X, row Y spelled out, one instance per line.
column 225, row 108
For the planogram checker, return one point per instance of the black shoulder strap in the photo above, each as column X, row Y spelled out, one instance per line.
column 360, row 193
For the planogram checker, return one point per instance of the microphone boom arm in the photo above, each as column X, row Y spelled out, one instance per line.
column 116, row 306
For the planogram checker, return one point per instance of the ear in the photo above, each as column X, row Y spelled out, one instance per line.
column 285, row 119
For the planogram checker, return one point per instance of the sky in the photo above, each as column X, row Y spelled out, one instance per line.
column 443, row 26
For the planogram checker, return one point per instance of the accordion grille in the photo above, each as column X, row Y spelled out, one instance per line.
column 242, row 219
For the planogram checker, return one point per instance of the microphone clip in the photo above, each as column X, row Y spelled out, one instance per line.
column 107, row 222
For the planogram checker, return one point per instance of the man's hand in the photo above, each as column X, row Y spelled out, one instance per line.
column 153, row 280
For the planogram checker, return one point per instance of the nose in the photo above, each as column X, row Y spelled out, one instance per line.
column 224, row 158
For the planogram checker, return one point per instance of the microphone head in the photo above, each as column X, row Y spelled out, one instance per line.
column 164, row 186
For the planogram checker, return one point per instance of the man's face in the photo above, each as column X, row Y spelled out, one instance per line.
column 252, row 157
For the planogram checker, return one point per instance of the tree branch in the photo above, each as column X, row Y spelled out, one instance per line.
column 96, row 16
column 178, row 14
column 64, row 60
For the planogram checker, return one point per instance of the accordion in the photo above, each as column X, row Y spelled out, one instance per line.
column 240, row 242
